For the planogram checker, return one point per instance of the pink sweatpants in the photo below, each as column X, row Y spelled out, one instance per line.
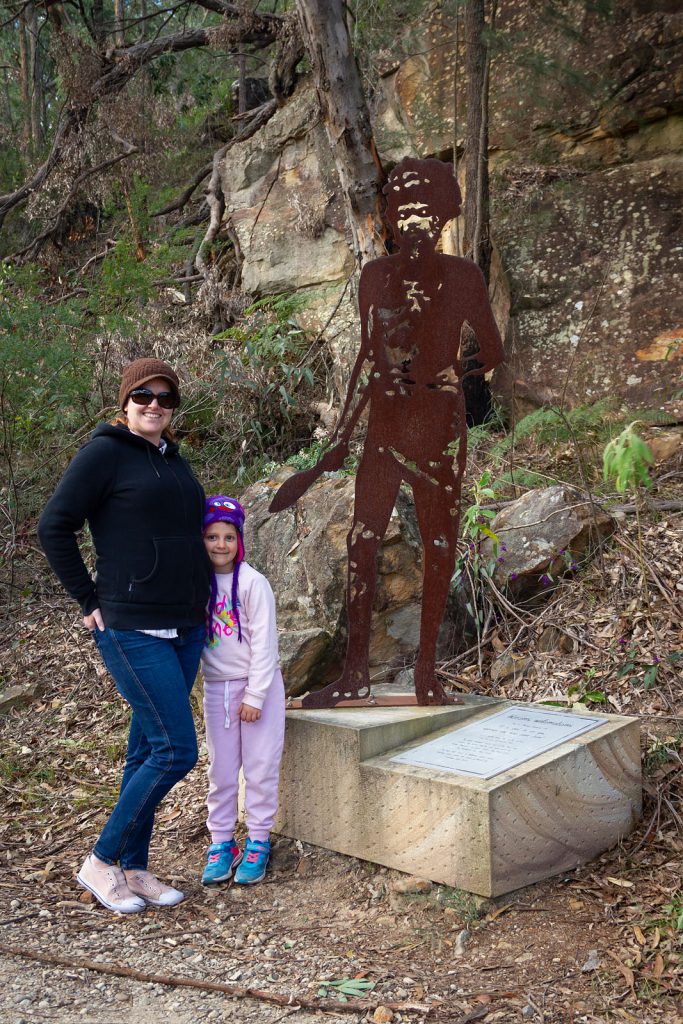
column 256, row 747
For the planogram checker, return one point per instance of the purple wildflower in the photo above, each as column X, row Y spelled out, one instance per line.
column 513, row 575
column 546, row 580
column 574, row 567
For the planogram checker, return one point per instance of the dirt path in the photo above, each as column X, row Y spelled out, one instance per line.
column 555, row 952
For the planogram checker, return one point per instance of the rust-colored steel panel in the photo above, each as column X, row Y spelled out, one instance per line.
column 413, row 305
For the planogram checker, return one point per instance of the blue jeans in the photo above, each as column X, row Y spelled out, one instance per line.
column 155, row 676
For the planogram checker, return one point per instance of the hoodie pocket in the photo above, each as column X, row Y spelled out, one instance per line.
column 176, row 575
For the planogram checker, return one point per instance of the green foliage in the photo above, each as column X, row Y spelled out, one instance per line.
column 549, row 427
column 674, row 911
column 271, row 348
column 661, row 752
column 626, row 459
column 471, row 566
column 342, row 988
column 475, row 518
column 581, row 693
column 645, row 673
column 463, row 903
column 45, row 371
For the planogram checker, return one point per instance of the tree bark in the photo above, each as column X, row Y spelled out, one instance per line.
column 24, row 73
column 119, row 17
column 98, row 30
column 477, row 241
column 36, row 77
column 347, row 122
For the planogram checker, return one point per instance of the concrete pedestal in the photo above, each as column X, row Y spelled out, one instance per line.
column 341, row 790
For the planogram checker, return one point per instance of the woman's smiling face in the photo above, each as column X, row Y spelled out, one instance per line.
column 149, row 421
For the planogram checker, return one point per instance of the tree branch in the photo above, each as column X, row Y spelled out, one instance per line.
column 123, row 63
column 214, row 196
column 34, row 247
column 182, row 199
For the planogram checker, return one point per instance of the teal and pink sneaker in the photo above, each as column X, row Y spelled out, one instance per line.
column 221, row 860
column 253, row 865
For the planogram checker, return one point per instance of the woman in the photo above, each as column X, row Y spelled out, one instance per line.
column 145, row 608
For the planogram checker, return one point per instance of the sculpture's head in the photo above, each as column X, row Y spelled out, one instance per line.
column 422, row 195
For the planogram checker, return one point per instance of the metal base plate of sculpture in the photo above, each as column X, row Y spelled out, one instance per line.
column 409, row 372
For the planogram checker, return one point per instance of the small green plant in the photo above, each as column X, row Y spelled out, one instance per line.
column 625, row 460
column 583, row 693
column 345, row 987
column 463, row 903
column 471, row 564
column 661, row 752
column 645, row 673
column 674, row 912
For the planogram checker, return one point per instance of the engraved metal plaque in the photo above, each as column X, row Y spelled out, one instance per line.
column 502, row 741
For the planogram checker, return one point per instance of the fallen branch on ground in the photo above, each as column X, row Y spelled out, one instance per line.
column 238, row 991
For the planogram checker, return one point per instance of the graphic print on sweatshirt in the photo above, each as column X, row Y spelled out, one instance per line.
column 224, row 621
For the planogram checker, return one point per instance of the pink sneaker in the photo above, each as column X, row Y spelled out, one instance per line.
column 108, row 884
column 148, row 887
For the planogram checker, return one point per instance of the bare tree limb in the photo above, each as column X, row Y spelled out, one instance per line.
column 34, row 247
column 214, row 196
column 180, row 201
column 122, row 64
column 237, row 991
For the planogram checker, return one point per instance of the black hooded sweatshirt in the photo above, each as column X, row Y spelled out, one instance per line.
column 145, row 513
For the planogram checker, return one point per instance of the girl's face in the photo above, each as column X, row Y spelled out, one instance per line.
column 221, row 543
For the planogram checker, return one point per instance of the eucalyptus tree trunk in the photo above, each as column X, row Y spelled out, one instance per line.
column 24, row 73
column 119, row 17
column 36, row 77
column 477, row 240
column 98, row 29
column 347, row 122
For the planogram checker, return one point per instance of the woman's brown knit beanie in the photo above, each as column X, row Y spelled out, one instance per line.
column 139, row 372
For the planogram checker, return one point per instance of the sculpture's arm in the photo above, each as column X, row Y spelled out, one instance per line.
column 333, row 458
column 480, row 318
column 344, row 426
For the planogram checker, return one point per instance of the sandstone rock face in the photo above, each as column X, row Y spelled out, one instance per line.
column 543, row 535
column 284, row 203
column 591, row 263
column 613, row 91
column 302, row 551
column 586, row 178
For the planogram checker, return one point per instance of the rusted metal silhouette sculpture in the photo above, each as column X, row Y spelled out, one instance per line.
column 413, row 305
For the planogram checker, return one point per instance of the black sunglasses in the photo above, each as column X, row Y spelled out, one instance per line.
column 143, row 396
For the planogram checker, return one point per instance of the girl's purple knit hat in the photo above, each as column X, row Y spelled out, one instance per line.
column 220, row 509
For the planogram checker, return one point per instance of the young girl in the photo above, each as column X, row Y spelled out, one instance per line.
column 244, row 699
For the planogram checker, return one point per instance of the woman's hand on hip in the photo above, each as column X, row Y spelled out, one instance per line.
column 94, row 620
column 249, row 714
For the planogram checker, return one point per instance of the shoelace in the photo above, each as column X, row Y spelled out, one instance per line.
column 213, row 857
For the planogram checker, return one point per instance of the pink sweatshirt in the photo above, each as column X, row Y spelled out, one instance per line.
column 256, row 657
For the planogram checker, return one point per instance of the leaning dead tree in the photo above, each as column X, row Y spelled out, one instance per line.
column 477, row 240
column 477, row 68
column 347, row 122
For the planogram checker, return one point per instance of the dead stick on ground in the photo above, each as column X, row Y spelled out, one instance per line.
column 181, row 981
